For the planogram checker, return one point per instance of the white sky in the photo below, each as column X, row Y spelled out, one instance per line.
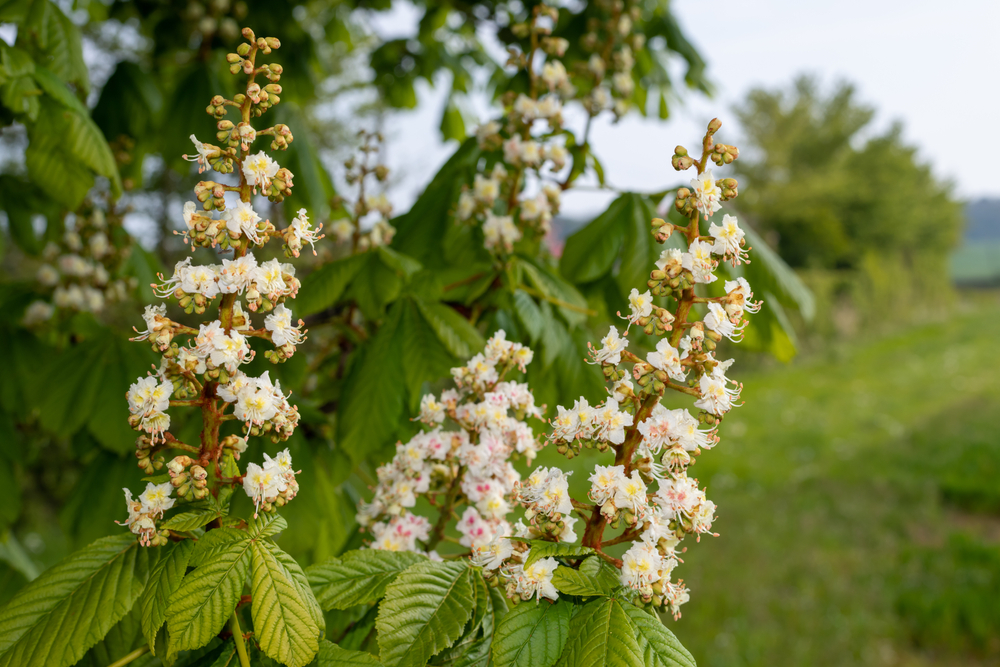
column 933, row 65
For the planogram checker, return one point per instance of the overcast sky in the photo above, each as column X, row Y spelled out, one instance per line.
column 933, row 65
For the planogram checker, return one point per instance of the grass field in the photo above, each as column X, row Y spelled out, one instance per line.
column 859, row 508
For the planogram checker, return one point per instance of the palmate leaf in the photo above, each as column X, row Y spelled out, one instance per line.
column 372, row 400
column 331, row 655
column 660, row 647
column 200, row 607
column 611, row 633
column 424, row 611
column 323, row 287
column 473, row 648
column 357, row 577
column 601, row 635
column 298, row 578
column 543, row 549
column 164, row 579
column 594, row 577
column 56, row 618
column 532, row 634
column 283, row 622
column 187, row 521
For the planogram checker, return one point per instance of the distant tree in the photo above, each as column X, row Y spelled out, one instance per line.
column 822, row 183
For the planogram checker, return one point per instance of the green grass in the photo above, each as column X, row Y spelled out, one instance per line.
column 840, row 485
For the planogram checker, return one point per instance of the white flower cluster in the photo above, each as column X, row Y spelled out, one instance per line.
column 263, row 285
column 467, row 465
column 142, row 513
column 79, row 270
column 647, row 492
column 272, row 484
column 148, row 400
column 205, row 372
column 241, row 221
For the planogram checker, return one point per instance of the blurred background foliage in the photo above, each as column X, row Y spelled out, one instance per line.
column 858, row 504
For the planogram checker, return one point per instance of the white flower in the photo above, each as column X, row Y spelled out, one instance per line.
column 38, row 311
column 242, row 219
column 706, row 194
column 535, row 208
column 604, row 483
column 526, row 107
column 630, row 492
column 279, row 323
column 622, row 82
column 237, row 274
column 537, row 579
column 641, row 567
column 740, row 298
column 431, row 411
column 259, row 169
column 716, row 396
column 671, row 260
column 466, row 205
column 530, row 153
column 611, row 352
column 492, row 555
column 47, row 275
column 167, row 287
column 203, row 152
column 728, row 239
column 500, row 230
column 201, row 279
column 268, row 279
column 476, row 532
column 554, row 75
column 640, row 305
column 229, row 351
column 485, row 189
column 611, row 422
column 247, row 135
column 262, row 485
column 301, row 231
column 698, row 260
column 549, row 107
column 666, row 358
column 154, row 317
column 156, row 498
column 718, row 321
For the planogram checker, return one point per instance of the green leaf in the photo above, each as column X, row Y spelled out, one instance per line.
column 424, row 611
column 602, row 635
column 659, row 645
column 372, row 399
column 55, row 42
column 267, row 525
column 639, row 250
column 767, row 272
column 594, row 577
column 55, row 619
column 283, row 623
column 424, row 357
column 164, row 579
column 544, row 549
column 559, row 293
column 454, row 331
column 331, row 655
column 529, row 314
column 188, row 521
column 532, row 634
column 420, row 232
column 452, row 123
column 56, row 88
column 200, row 607
column 357, row 577
column 591, row 251
column 301, row 583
